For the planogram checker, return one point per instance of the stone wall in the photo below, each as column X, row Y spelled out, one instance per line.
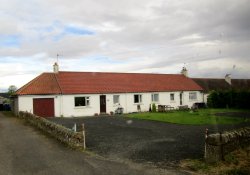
column 64, row 135
column 220, row 144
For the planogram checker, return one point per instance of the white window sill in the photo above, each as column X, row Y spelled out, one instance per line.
column 192, row 100
column 116, row 104
column 81, row 107
column 138, row 103
column 156, row 102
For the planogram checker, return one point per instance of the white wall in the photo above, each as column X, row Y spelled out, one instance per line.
column 205, row 98
column 65, row 104
column 126, row 101
column 69, row 109
column 25, row 102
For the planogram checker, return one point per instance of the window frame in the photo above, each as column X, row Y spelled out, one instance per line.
column 118, row 99
column 153, row 99
column 193, row 96
column 139, row 98
column 85, row 100
column 172, row 97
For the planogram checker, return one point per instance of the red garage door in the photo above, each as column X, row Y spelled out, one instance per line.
column 44, row 107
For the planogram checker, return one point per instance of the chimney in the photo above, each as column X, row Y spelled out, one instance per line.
column 184, row 71
column 55, row 68
column 228, row 79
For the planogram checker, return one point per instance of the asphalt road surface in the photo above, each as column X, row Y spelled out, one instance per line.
column 26, row 151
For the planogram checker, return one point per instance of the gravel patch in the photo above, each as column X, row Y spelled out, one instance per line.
column 142, row 141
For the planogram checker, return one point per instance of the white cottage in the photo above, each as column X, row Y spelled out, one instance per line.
column 70, row 94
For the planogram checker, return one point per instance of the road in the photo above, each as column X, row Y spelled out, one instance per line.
column 26, row 151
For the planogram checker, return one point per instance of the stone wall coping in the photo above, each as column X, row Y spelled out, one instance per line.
column 229, row 136
column 61, row 133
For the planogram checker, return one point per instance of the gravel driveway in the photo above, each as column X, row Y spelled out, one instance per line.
column 27, row 151
column 126, row 139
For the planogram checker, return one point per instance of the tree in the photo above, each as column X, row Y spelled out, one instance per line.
column 12, row 89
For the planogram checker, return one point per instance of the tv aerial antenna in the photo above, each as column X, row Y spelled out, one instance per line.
column 57, row 57
column 185, row 65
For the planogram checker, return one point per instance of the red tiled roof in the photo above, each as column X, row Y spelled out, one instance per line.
column 43, row 84
column 97, row 82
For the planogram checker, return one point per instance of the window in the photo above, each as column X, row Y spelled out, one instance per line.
column 155, row 97
column 116, row 99
column 81, row 101
column 137, row 98
column 192, row 95
column 171, row 97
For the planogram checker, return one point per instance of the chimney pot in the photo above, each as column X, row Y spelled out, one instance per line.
column 56, row 68
column 228, row 79
column 184, row 71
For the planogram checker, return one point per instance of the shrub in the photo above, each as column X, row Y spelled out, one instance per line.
column 153, row 107
column 229, row 99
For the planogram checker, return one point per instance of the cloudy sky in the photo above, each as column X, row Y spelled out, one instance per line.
column 211, row 37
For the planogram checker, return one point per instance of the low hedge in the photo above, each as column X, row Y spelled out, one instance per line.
column 229, row 99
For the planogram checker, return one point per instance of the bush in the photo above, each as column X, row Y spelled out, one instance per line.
column 153, row 107
column 229, row 99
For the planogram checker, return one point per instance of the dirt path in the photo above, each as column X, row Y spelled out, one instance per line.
column 25, row 151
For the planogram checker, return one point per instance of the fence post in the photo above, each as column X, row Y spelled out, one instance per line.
column 206, row 135
column 83, row 134
column 221, row 147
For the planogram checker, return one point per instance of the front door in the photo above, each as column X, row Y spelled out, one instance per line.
column 103, row 103
column 44, row 107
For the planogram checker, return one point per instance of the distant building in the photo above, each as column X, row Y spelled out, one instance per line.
column 210, row 84
column 4, row 101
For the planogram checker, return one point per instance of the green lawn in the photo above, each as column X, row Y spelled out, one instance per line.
column 202, row 116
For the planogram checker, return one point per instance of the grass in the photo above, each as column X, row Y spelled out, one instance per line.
column 236, row 163
column 200, row 117
column 195, row 165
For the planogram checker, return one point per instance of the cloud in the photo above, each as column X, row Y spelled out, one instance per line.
column 129, row 36
column 219, row 68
